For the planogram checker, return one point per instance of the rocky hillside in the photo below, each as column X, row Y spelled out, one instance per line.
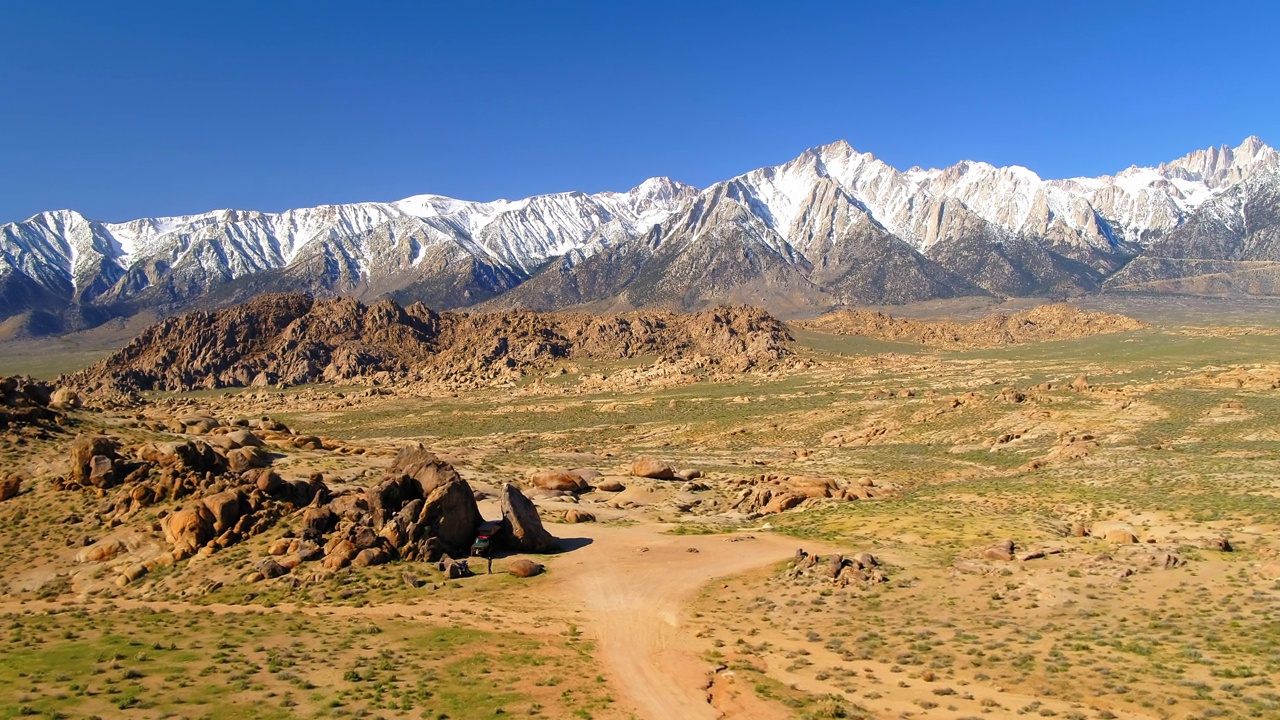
column 294, row 339
column 832, row 228
column 1047, row 322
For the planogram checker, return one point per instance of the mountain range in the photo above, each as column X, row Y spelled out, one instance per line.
column 832, row 228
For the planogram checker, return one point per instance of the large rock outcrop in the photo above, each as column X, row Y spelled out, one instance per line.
column 523, row 530
column 296, row 339
column 1048, row 322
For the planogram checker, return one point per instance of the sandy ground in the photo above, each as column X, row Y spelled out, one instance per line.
column 634, row 583
column 629, row 586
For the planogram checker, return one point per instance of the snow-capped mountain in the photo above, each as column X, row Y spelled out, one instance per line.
column 831, row 227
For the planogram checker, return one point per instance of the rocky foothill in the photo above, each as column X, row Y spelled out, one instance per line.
column 216, row 488
column 296, row 339
column 1047, row 322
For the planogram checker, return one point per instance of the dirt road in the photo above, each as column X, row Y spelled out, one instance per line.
column 635, row 584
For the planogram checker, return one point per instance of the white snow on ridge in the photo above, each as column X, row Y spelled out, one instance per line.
column 918, row 205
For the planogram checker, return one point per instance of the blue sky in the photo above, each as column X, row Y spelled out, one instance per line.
column 127, row 109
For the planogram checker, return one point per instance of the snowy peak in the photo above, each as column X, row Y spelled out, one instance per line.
column 1223, row 166
column 816, row 216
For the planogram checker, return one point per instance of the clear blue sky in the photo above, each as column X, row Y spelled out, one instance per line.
column 124, row 109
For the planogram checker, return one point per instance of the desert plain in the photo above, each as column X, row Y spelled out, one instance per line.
column 1070, row 514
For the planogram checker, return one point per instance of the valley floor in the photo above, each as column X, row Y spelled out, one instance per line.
column 1116, row 465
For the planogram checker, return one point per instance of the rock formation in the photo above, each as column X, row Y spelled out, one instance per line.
column 523, row 530
column 1047, row 322
column 295, row 339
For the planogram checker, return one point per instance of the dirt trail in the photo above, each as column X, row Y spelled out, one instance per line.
column 635, row 583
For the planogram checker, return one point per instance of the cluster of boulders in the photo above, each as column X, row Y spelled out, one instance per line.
column 1125, row 557
column 564, row 482
column 220, row 473
column 173, row 469
column 772, row 493
column 421, row 510
column 25, row 402
column 861, row 570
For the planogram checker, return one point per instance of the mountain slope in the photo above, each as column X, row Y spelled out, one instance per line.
column 832, row 227
column 1231, row 245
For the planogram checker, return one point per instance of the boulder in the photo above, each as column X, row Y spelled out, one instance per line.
column 371, row 556
column 523, row 568
column 523, row 530
column 101, row 551
column 423, row 466
column 387, row 497
column 268, row 482
column 453, row 569
column 190, row 529
column 781, row 502
column 611, row 485
column 339, row 554
column 574, row 515
column 1221, row 544
column 362, row 536
column 142, row 495
column 1120, row 536
column 10, row 487
column 226, row 508
column 1002, row 552
column 308, row 442
column 560, row 480
column 87, row 447
column 318, row 520
column 244, row 437
column 1114, row 532
column 303, row 492
column 64, row 399
column 647, row 467
column 198, row 424
column 271, row 568
column 308, row 550
column 102, row 471
column 131, row 573
column 865, row 560
column 194, row 455
column 270, row 425
column 450, row 515
column 247, row 458
column 812, row 487
column 352, row 507
column 1010, row 395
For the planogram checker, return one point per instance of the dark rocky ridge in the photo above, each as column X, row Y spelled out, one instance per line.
column 296, row 339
